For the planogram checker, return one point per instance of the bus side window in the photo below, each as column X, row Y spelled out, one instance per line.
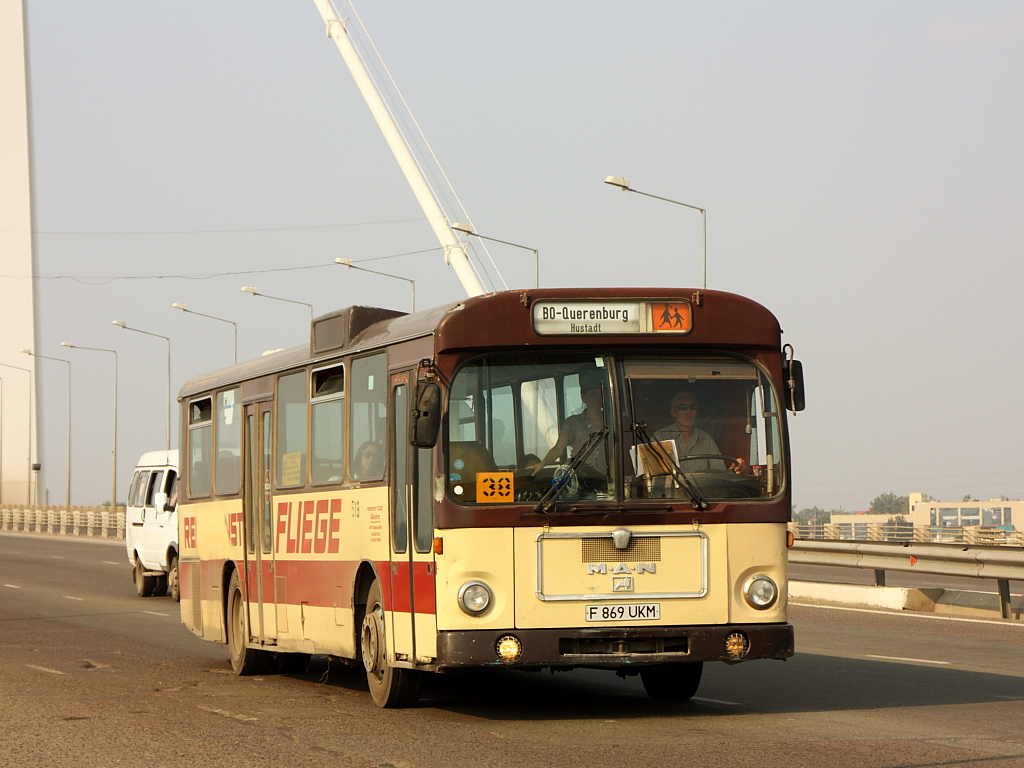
column 200, row 447
column 369, row 411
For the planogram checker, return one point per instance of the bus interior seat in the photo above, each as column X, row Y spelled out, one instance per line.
column 474, row 456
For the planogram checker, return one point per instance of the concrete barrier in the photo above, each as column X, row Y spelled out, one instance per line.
column 102, row 522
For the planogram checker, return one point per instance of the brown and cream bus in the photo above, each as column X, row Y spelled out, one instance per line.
column 527, row 479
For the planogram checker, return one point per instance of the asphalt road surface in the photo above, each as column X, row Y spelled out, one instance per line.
column 91, row 675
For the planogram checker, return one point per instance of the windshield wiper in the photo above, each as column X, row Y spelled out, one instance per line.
column 547, row 501
column 690, row 488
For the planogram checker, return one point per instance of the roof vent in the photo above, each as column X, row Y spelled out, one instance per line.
column 336, row 330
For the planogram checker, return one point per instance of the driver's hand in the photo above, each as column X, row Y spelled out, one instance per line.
column 740, row 467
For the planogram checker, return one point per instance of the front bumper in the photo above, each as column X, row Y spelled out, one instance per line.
column 607, row 647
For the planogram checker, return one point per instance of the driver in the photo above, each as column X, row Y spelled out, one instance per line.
column 690, row 439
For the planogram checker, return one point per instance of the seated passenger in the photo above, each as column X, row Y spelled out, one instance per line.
column 690, row 439
column 576, row 430
column 369, row 462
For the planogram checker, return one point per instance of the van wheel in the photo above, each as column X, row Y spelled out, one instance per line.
column 172, row 580
column 244, row 660
column 390, row 687
column 672, row 682
column 143, row 584
column 160, row 585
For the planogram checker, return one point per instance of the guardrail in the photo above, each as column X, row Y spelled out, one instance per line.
column 908, row 532
column 96, row 522
column 1002, row 563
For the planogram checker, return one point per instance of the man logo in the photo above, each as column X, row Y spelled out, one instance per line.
column 622, row 584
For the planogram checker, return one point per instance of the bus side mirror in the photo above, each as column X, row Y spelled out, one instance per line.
column 426, row 419
column 793, row 373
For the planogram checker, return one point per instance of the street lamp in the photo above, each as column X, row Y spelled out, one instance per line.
column 121, row 324
column 623, row 184
column 348, row 263
column 467, row 228
column 30, row 353
column 30, row 412
column 252, row 289
column 113, row 474
column 184, row 308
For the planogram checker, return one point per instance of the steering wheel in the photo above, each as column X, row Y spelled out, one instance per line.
column 729, row 460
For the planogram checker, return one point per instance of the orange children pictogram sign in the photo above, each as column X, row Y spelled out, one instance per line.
column 494, row 488
column 671, row 316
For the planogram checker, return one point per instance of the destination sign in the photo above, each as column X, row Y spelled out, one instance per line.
column 598, row 318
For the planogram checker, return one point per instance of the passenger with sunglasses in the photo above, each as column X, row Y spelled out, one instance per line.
column 369, row 462
column 690, row 439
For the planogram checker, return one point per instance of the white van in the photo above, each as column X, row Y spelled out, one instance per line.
column 151, row 524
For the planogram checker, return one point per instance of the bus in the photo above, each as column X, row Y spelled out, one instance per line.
column 529, row 479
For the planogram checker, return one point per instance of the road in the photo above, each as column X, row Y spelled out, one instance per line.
column 91, row 675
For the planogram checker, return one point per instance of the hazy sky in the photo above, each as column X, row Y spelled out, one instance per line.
column 861, row 166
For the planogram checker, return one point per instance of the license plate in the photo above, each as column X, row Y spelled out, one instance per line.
column 638, row 612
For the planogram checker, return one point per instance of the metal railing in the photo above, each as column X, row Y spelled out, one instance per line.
column 908, row 532
column 1004, row 563
column 95, row 522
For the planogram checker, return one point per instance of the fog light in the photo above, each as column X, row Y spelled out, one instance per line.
column 508, row 648
column 474, row 597
column 761, row 592
column 737, row 645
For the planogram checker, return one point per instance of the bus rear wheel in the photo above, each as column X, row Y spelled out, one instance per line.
column 672, row 682
column 144, row 585
column 390, row 687
column 244, row 660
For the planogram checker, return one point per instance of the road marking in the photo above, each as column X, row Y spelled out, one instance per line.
column 56, row 557
column 903, row 658
column 69, row 597
column 717, row 701
column 154, row 613
column 1018, row 625
column 45, row 669
column 110, row 562
column 12, row 586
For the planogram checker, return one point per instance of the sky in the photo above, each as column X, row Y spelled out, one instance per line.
column 861, row 165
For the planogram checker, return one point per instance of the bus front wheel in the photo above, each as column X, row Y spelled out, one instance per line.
column 390, row 687
column 672, row 682
column 244, row 660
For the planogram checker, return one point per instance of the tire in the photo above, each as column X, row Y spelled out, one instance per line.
column 244, row 660
column 390, row 687
column 144, row 584
column 160, row 585
column 173, row 586
column 672, row 682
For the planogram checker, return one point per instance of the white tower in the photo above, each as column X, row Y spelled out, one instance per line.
column 17, row 260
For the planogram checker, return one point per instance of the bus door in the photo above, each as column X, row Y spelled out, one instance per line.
column 414, row 615
column 259, row 534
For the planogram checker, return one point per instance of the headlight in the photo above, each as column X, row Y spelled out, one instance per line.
column 761, row 592
column 474, row 597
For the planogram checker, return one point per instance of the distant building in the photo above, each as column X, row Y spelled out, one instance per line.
column 996, row 512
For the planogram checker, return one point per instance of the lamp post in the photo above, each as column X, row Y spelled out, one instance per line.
column 28, row 477
column 184, row 308
column 468, row 229
column 252, row 289
column 623, row 184
column 121, row 324
column 30, row 353
column 113, row 474
column 348, row 263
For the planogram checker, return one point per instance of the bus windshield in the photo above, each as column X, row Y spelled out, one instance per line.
column 612, row 428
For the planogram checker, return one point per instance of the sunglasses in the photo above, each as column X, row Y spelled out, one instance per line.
column 368, row 453
column 685, row 407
